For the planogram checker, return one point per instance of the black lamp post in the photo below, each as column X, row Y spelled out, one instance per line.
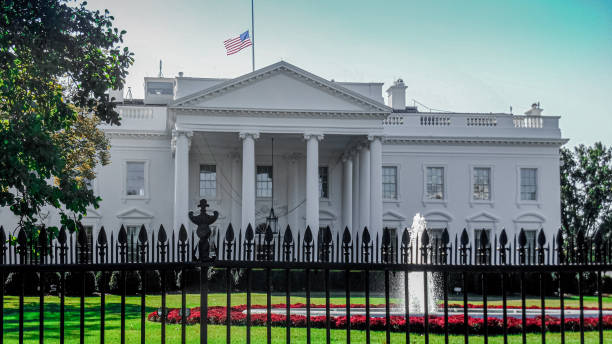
column 272, row 219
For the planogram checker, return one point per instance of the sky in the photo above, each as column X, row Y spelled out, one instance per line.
column 465, row 56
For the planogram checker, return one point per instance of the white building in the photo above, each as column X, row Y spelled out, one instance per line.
column 341, row 158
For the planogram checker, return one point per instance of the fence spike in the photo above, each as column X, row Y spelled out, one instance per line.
column 122, row 237
column 249, row 234
column 162, row 237
column 445, row 237
column 522, row 238
column 308, row 235
column 182, row 234
column 346, row 236
column 541, row 238
column 465, row 238
column 229, row 233
column 503, row 238
column 288, row 236
column 365, row 238
column 142, row 235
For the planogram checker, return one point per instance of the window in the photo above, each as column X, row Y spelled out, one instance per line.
column 435, row 183
column 160, row 88
column 389, row 180
column 477, row 233
column 323, row 182
column 135, row 180
column 529, row 186
column 90, row 247
column 435, row 235
column 530, row 253
column 208, row 181
column 482, row 184
column 263, row 181
column 132, row 240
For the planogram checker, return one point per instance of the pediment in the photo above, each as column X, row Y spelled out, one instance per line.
column 391, row 215
column 93, row 214
column 530, row 217
column 134, row 213
column 483, row 217
column 280, row 87
column 438, row 215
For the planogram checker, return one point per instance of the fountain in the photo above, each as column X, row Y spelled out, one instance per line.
column 416, row 281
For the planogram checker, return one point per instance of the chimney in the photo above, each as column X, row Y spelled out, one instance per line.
column 397, row 95
column 117, row 94
column 535, row 110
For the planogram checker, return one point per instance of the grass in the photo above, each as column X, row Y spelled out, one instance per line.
column 217, row 334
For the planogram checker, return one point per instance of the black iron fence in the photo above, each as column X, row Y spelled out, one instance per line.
column 449, row 262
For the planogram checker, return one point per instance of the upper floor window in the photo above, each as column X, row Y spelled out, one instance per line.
column 482, row 184
column 389, row 180
column 160, row 88
column 208, row 181
column 263, row 181
column 529, row 184
column 135, row 179
column 435, row 183
column 323, row 182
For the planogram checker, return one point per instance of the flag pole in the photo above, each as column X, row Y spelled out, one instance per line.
column 253, row 35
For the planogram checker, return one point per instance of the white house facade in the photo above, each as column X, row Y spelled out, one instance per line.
column 321, row 153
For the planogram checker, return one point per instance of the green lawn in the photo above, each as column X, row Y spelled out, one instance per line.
column 217, row 333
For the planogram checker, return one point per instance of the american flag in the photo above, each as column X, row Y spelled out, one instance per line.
column 234, row 45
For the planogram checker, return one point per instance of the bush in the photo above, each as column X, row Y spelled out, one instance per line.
column 132, row 283
column 30, row 284
column 74, row 283
column 152, row 280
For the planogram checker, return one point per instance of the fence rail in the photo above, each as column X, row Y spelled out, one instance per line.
column 500, row 258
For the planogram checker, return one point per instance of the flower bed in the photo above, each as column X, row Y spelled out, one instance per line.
column 218, row 315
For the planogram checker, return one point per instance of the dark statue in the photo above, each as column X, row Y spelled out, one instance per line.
column 203, row 221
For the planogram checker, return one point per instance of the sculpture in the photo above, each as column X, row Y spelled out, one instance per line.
column 203, row 221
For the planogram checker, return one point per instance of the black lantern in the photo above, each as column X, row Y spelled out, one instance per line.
column 272, row 221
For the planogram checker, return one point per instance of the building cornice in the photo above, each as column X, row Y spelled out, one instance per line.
column 284, row 113
column 136, row 133
column 475, row 140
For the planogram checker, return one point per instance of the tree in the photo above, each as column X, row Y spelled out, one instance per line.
column 586, row 188
column 57, row 61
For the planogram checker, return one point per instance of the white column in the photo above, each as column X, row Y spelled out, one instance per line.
column 312, row 181
column 376, row 207
column 293, row 179
column 181, row 140
column 356, row 225
column 347, row 192
column 248, row 179
column 235, row 192
column 364, row 187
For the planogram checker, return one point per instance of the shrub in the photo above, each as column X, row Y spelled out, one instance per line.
column 30, row 284
column 152, row 280
column 74, row 283
column 132, row 283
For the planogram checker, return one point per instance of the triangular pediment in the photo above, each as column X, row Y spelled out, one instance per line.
column 281, row 87
column 483, row 217
column 134, row 213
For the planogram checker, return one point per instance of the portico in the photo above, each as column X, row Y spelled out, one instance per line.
column 232, row 124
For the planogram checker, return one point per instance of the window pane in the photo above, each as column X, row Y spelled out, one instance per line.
column 208, row 181
column 263, row 181
column 482, row 183
column 135, row 179
column 156, row 87
column 132, row 238
column 529, row 186
column 389, row 176
column 435, row 183
column 323, row 182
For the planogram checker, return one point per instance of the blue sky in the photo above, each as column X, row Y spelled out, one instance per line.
column 480, row 56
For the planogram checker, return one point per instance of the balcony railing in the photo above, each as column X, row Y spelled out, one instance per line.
column 465, row 124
